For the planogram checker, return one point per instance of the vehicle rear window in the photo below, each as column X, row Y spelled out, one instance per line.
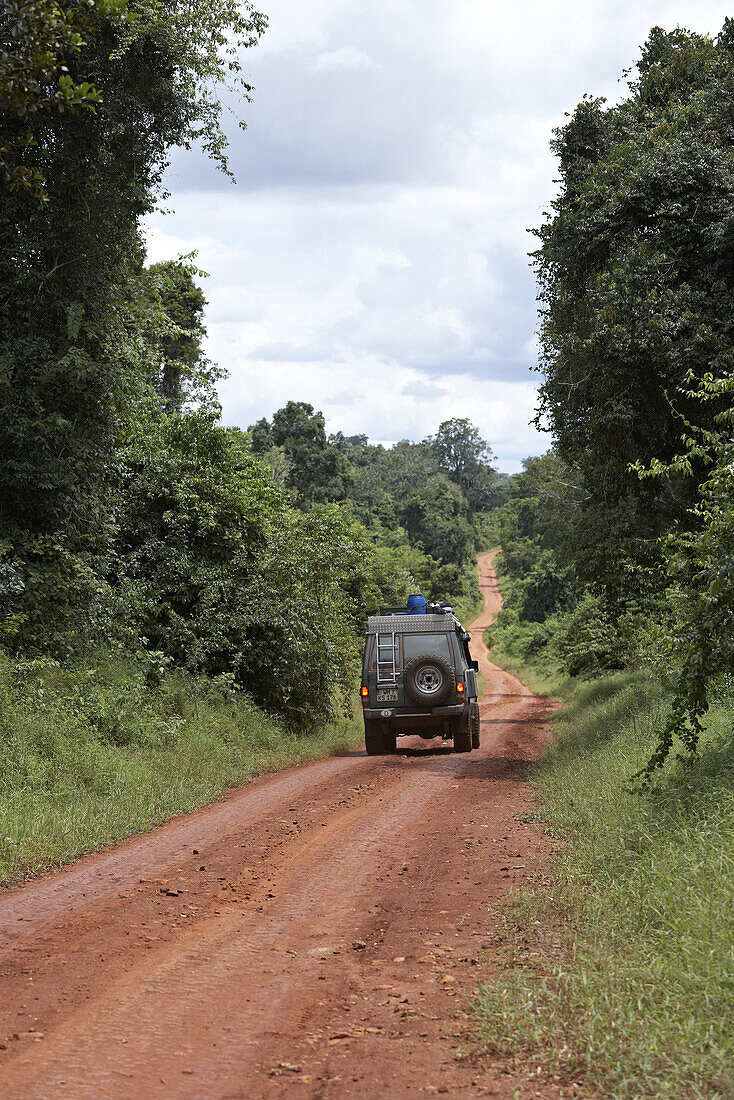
column 416, row 644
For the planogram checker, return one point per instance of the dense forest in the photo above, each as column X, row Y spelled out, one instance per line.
column 619, row 543
column 618, row 572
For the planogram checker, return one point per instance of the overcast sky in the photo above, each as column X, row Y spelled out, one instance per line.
column 372, row 258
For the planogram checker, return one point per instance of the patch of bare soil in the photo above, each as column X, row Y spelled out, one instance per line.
column 314, row 934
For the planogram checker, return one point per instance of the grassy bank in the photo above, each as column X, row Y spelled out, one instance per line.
column 549, row 681
column 618, row 966
column 88, row 756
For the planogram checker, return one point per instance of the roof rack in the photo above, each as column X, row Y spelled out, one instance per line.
column 411, row 624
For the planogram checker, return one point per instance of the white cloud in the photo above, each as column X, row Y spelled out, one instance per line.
column 373, row 258
column 347, row 57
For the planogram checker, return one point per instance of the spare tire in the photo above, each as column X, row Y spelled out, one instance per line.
column 428, row 679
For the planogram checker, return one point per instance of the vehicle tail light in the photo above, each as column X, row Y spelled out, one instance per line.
column 459, row 689
column 365, row 692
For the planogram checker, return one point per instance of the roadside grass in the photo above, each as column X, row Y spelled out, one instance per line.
column 549, row 681
column 91, row 755
column 617, row 968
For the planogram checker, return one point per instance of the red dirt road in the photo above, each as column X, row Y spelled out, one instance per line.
column 311, row 935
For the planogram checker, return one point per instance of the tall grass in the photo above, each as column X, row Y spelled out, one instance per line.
column 619, row 965
column 90, row 755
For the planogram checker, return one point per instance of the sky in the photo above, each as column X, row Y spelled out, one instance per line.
column 372, row 258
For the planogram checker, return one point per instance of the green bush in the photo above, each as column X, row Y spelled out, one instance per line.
column 524, row 641
column 545, row 588
column 217, row 572
column 589, row 641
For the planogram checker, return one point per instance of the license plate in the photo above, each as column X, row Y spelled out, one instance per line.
column 387, row 695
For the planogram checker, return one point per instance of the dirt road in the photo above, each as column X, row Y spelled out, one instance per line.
column 311, row 935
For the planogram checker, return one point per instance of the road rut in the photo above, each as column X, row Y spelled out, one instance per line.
column 311, row 934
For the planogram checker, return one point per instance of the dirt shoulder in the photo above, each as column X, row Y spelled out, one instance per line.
column 311, row 934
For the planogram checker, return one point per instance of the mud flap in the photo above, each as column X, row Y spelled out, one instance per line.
column 463, row 735
column 475, row 726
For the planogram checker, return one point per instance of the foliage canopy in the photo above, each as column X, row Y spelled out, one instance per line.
column 636, row 279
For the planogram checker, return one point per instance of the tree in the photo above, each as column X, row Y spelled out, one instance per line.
column 349, row 444
column 434, row 516
column 193, row 524
column 636, row 279
column 37, row 38
column 176, row 332
column 467, row 459
column 316, row 469
column 215, row 569
column 407, row 466
column 536, row 526
column 72, row 369
column 700, row 561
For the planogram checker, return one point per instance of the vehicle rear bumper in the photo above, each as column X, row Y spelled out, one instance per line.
column 414, row 718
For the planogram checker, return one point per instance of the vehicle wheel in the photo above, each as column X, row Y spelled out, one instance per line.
column 428, row 679
column 462, row 735
column 389, row 740
column 475, row 727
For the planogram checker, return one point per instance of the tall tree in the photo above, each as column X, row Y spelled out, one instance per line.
column 182, row 373
column 467, row 459
column 637, row 286
column 69, row 366
column 316, row 471
column 434, row 516
column 37, row 38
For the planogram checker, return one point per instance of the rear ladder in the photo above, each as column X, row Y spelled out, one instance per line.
column 386, row 658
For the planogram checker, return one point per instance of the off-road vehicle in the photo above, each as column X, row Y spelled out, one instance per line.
column 418, row 677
